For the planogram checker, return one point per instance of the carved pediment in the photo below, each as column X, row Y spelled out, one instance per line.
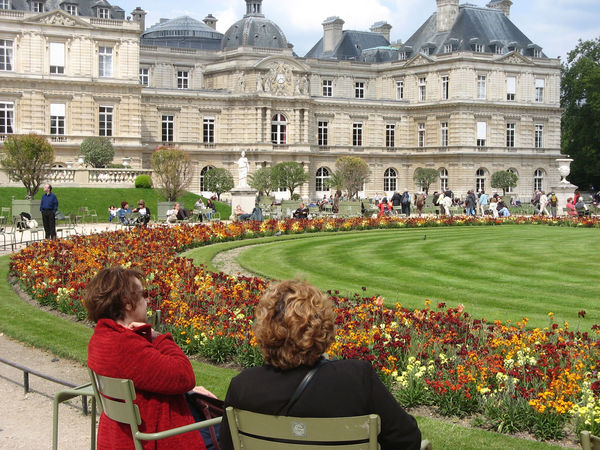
column 59, row 18
column 515, row 58
column 282, row 79
column 419, row 60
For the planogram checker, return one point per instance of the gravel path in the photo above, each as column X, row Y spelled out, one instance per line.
column 227, row 262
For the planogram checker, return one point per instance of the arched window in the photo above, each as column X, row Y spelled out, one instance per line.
column 202, row 173
column 390, row 180
column 322, row 179
column 443, row 179
column 510, row 190
column 480, row 180
column 279, row 129
column 538, row 180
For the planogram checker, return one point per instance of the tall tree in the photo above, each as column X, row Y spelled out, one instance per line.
column 173, row 169
column 504, row 179
column 218, row 180
column 289, row 175
column 351, row 173
column 424, row 177
column 262, row 180
column 28, row 158
column 580, row 98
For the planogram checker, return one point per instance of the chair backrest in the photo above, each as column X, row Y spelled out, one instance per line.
column 589, row 441
column 254, row 431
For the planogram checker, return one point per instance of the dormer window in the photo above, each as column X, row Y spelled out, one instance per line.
column 103, row 13
column 402, row 56
column 71, row 9
column 37, row 7
column 4, row 4
column 477, row 46
column 514, row 47
column 448, row 48
column 428, row 48
column 534, row 50
column 497, row 47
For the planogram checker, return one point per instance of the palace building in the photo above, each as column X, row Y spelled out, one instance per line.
column 467, row 94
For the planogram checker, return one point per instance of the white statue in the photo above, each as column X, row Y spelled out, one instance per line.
column 243, row 168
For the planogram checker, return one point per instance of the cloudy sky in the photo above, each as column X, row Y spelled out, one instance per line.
column 555, row 25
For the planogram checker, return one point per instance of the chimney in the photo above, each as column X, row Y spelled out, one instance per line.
column 447, row 11
column 502, row 5
column 139, row 16
column 211, row 21
column 332, row 33
column 382, row 28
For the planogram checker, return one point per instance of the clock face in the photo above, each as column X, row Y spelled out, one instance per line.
column 280, row 78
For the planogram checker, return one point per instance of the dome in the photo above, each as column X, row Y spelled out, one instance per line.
column 184, row 32
column 254, row 30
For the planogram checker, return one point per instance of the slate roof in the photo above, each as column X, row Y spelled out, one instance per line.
column 182, row 32
column 350, row 47
column 254, row 31
column 473, row 24
column 85, row 8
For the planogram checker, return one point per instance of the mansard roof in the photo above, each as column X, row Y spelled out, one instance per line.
column 473, row 25
column 182, row 32
column 85, row 8
column 351, row 45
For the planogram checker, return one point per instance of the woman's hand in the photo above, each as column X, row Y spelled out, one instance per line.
column 202, row 390
column 135, row 325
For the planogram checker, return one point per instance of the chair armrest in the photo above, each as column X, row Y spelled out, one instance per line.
column 178, row 430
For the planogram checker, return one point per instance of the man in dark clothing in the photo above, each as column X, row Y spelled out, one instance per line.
column 301, row 212
column 405, row 200
column 48, row 207
column 396, row 199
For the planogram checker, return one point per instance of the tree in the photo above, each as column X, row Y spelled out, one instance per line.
column 218, row 180
column 504, row 179
column 97, row 151
column 289, row 175
column 425, row 177
column 351, row 173
column 28, row 158
column 580, row 99
column 262, row 180
column 173, row 169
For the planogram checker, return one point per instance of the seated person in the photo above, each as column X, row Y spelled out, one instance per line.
column 122, row 211
column 211, row 205
column 337, row 389
column 504, row 212
column 182, row 213
column 144, row 213
column 241, row 214
column 301, row 212
column 580, row 207
column 199, row 203
column 571, row 207
column 125, row 346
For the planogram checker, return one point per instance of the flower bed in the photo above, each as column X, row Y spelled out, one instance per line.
column 513, row 377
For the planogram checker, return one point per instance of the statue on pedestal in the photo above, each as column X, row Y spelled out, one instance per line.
column 243, row 168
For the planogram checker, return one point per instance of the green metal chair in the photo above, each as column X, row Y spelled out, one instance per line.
column 85, row 390
column 116, row 396
column 589, row 441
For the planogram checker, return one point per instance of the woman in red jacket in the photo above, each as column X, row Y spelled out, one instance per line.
column 125, row 346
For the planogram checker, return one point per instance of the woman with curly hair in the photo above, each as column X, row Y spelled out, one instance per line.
column 294, row 326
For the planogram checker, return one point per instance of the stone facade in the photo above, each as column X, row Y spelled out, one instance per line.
column 425, row 111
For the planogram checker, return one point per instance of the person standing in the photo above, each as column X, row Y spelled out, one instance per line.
column 405, row 202
column 553, row 199
column 48, row 207
column 544, row 204
column 483, row 203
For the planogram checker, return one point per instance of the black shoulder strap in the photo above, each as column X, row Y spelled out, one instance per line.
column 302, row 386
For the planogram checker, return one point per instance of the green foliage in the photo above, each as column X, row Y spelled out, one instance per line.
column 28, row 158
column 580, row 99
column 97, row 151
column 507, row 413
column 504, row 179
column 289, row 175
column 351, row 173
column 173, row 169
column 425, row 177
column 143, row 182
column 218, row 180
column 262, row 181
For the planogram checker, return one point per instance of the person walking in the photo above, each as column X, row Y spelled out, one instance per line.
column 483, row 203
column 544, row 204
column 48, row 207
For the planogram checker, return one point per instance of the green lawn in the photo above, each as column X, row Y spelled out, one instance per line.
column 503, row 273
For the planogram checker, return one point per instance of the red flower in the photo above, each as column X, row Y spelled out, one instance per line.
column 581, row 314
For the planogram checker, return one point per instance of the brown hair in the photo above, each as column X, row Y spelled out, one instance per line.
column 294, row 324
column 109, row 291
column 141, row 202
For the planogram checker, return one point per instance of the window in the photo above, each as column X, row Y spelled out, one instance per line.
column 537, row 53
column 57, row 57
column 445, row 87
column 390, row 135
column 357, row 134
column 478, row 48
column 538, row 180
column 6, row 54
column 390, row 180
column 402, row 56
column 208, row 130
column 539, row 136
column 105, row 61
column 183, row 79
column 4, row 4
column 327, row 88
column 511, row 88
column 421, row 135
column 481, row 87
column 448, row 48
column 399, row 90
column 444, row 180
column 71, row 9
column 444, row 134
column 498, row 49
column 480, row 180
column 7, row 114
column 510, row 135
column 422, row 89
column 106, row 121
column 322, row 179
column 509, row 189
column 359, row 89
column 144, row 76
column 279, row 129
column 57, row 119
column 539, row 90
column 202, row 175
column 322, row 138
column 37, row 7
column 167, row 122
column 103, row 13
column 481, row 133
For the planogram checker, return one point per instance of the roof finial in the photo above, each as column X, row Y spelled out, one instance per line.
column 253, row 8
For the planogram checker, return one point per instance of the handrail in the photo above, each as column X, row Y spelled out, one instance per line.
column 27, row 371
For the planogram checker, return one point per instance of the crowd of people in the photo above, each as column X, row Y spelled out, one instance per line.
column 174, row 214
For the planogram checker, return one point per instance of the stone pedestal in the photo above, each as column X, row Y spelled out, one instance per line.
column 563, row 191
column 245, row 197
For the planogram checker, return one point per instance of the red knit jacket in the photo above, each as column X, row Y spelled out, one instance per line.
column 161, row 374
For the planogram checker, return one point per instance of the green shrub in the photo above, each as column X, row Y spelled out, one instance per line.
column 143, row 182
column 97, row 151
